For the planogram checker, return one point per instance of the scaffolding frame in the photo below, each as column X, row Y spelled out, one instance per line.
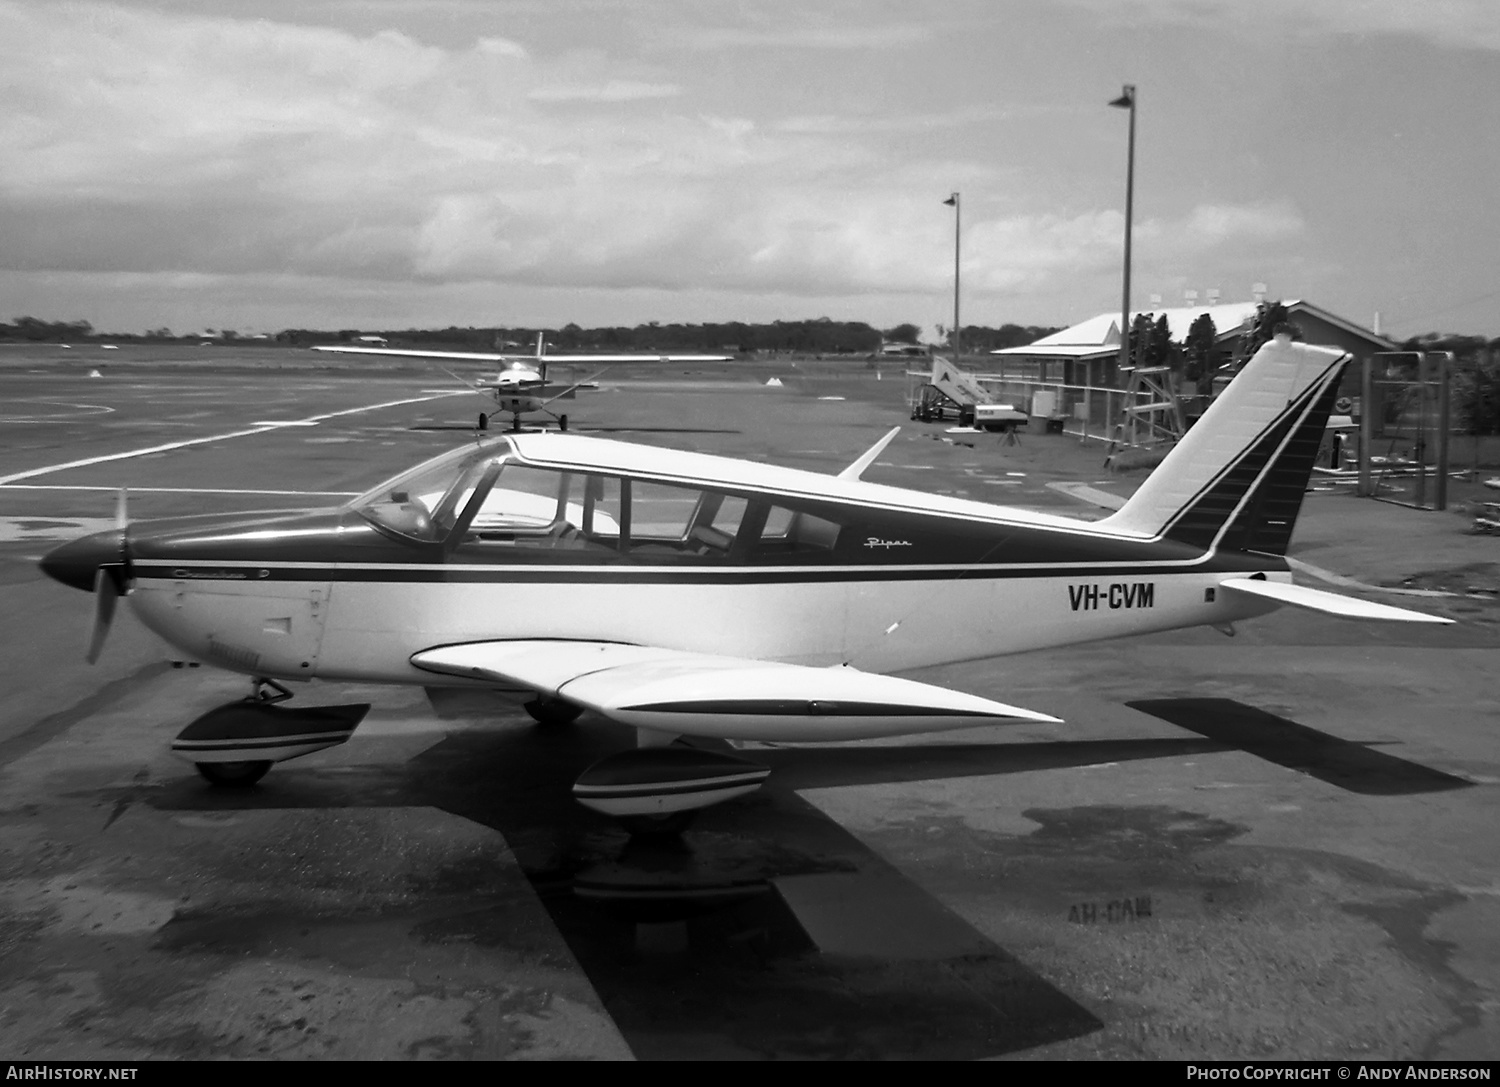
column 1151, row 412
column 1404, row 398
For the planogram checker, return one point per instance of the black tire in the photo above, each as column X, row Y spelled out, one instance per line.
column 552, row 711
column 562, row 423
column 484, row 421
column 662, row 825
column 233, row 775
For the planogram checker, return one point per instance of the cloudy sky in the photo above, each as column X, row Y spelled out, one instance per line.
column 260, row 164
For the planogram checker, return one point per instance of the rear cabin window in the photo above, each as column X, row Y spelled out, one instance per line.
column 796, row 534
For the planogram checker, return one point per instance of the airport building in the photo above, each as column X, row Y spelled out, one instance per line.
column 1088, row 354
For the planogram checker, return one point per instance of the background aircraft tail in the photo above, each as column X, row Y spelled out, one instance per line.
column 1236, row 479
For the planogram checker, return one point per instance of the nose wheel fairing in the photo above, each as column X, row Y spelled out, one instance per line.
column 230, row 739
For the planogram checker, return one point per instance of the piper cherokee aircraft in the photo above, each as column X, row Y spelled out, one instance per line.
column 521, row 387
column 687, row 595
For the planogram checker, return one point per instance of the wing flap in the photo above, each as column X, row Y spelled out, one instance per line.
column 698, row 694
column 1345, row 607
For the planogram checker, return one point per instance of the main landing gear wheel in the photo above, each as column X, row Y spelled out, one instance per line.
column 484, row 421
column 233, row 775
column 661, row 825
column 562, row 423
column 552, row 711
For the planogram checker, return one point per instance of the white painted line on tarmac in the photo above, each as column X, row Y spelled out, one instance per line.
column 169, row 490
column 167, row 446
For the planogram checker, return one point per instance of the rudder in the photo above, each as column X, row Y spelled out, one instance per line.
column 1236, row 480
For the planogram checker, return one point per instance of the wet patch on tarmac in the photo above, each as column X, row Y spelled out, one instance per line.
column 1185, row 941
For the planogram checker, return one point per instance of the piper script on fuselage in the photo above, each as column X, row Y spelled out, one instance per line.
column 1119, row 594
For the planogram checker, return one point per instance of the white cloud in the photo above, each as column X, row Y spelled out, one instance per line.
column 615, row 90
column 1467, row 24
column 148, row 146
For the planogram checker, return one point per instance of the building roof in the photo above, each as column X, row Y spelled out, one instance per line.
column 1101, row 332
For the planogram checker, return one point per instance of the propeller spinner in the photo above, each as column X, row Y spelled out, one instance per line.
column 100, row 564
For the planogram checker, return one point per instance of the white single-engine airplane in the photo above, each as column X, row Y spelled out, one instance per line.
column 686, row 595
column 521, row 387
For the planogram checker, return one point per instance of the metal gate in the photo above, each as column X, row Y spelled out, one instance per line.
column 1404, row 428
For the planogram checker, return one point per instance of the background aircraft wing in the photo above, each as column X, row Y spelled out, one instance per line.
column 483, row 356
column 1346, row 607
column 402, row 352
column 699, row 694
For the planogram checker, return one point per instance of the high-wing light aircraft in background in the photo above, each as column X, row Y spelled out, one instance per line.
column 521, row 387
column 686, row 595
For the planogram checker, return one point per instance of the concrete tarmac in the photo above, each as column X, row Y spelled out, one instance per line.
column 1276, row 845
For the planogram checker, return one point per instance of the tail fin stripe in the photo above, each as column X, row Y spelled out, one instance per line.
column 1201, row 521
column 1236, row 480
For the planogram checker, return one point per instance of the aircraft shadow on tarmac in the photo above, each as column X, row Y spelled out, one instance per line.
column 1348, row 764
column 768, row 930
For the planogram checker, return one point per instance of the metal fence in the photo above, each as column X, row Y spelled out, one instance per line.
column 1085, row 411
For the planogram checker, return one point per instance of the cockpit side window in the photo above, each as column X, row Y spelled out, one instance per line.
column 527, row 509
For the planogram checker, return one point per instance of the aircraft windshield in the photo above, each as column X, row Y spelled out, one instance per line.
column 424, row 503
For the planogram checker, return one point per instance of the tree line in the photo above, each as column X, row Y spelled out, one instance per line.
column 1474, row 378
column 819, row 336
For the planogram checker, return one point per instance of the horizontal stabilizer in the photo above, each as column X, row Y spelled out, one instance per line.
column 697, row 694
column 1345, row 607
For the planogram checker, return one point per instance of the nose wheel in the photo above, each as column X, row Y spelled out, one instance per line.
column 234, row 745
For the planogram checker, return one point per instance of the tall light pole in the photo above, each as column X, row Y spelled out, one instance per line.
column 952, row 202
column 1127, row 101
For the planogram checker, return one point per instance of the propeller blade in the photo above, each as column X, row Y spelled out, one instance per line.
column 106, row 596
column 577, row 385
column 121, row 520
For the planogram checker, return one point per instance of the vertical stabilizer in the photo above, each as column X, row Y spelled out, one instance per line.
column 1236, row 479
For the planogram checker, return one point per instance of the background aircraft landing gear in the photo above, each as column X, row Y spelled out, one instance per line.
column 484, row 421
column 552, row 711
column 562, row 422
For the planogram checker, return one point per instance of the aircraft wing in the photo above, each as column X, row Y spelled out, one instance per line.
column 402, row 352
column 483, row 356
column 1345, row 607
column 699, row 694
column 629, row 358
